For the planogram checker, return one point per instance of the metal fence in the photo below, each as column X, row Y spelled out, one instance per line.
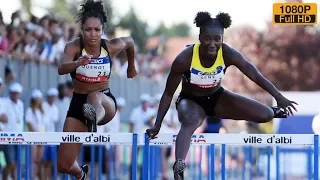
column 44, row 76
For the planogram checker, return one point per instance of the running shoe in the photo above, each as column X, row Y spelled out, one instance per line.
column 178, row 167
column 279, row 112
column 91, row 117
column 85, row 170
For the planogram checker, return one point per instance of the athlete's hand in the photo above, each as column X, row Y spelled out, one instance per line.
column 286, row 104
column 152, row 132
column 131, row 72
column 84, row 60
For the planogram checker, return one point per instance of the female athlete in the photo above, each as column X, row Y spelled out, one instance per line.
column 202, row 67
column 88, row 59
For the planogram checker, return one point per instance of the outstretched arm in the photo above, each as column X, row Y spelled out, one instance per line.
column 177, row 69
column 247, row 68
column 237, row 59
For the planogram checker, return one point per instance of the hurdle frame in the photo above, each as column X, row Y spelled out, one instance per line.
column 210, row 140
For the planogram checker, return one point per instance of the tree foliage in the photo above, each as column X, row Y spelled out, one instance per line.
column 137, row 26
column 180, row 30
column 287, row 56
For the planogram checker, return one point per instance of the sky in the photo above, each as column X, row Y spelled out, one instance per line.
column 175, row 11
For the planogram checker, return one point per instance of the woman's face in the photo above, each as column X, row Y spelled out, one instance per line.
column 92, row 31
column 37, row 102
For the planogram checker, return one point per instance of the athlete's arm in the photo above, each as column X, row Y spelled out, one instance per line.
column 123, row 43
column 178, row 67
column 66, row 64
column 237, row 59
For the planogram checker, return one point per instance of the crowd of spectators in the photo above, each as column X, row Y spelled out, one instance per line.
column 42, row 40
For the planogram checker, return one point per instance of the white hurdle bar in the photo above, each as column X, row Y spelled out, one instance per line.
column 55, row 138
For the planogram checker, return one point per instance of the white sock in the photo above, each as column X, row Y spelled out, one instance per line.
column 82, row 174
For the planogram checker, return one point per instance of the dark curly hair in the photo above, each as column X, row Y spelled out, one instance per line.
column 90, row 9
column 204, row 19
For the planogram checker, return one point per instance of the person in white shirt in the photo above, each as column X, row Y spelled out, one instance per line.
column 168, row 126
column 35, row 119
column 316, row 124
column 63, row 101
column 138, row 119
column 15, row 112
column 51, row 110
column 3, row 116
column 139, row 114
column 52, row 116
column 114, row 125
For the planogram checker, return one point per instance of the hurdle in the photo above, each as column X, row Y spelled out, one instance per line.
column 25, row 139
column 151, row 150
column 266, row 140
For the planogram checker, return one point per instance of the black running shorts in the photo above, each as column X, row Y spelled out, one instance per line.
column 208, row 103
column 77, row 101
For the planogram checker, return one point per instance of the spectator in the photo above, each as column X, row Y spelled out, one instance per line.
column 15, row 112
column 35, row 119
column 52, row 117
column 51, row 110
column 8, row 74
column 140, row 114
column 4, row 44
column 138, row 119
column 316, row 124
column 1, row 18
column 168, row 126
column 53, row 26
column 13, row 38
column 114, row 125
column 44, row 23
column 64, row 98
column 3, row 116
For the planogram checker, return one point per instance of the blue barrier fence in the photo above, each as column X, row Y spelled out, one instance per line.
column 151, row 158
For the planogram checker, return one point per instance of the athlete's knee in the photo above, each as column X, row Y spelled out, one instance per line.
column 103, row 121
column 266, row 115
column 190, row 120
column 64, row 166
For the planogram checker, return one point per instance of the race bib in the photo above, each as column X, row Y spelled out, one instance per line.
column 97, row 71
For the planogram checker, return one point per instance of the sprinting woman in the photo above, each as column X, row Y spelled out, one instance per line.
column 202, row 67
column 88, row 59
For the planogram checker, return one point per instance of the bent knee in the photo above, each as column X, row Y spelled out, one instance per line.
column 64, row 165
column 266, row 116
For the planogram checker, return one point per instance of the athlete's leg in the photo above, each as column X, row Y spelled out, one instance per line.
column 109, row 107
column 191, row 116
column 99, row 108
column 237, row 107
column 68, row 152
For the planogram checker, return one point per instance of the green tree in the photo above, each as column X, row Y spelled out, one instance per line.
column 68, row 9
column 26, row 4
column 137, row 26
column 109, row 9
column 180, row 29
column 287, row 56
column 61, row 9
column 161, row 30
